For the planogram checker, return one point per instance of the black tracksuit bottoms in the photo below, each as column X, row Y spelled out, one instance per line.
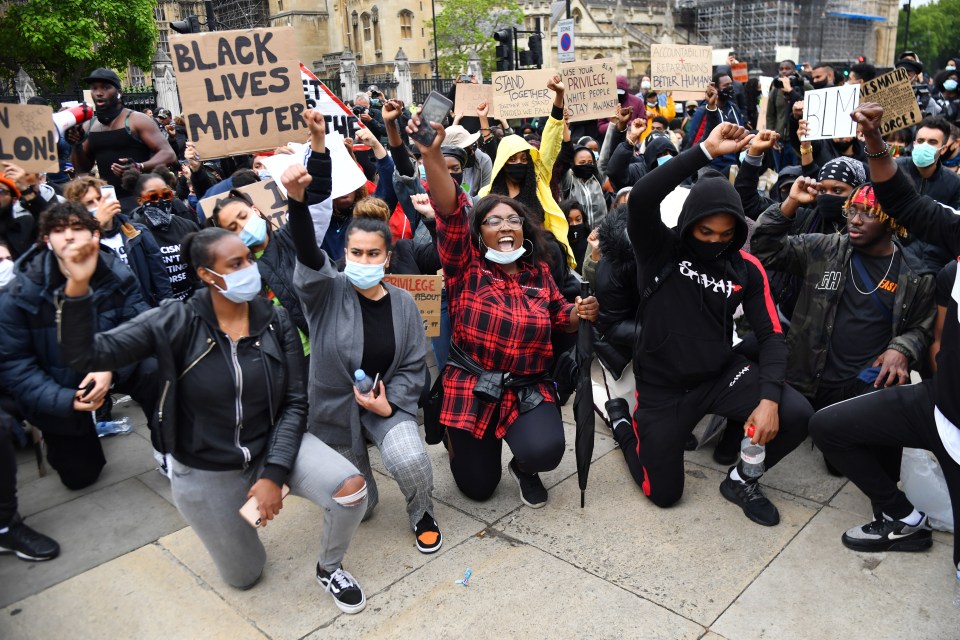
column 665, row 416
column 851, row 433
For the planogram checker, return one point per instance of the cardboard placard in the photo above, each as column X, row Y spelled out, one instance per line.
column 267, row 198
column 318, row 96
column 894, row 93
column 241, row 90
column 426, row 293
column 522, row 94
column 28, row 137
column 739, row 72
column 470, row 96
column 347, row 176
column 591, row 89
column 680, row 67
column 827, row 112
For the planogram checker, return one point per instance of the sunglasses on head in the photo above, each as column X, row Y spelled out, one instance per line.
column 157, row 196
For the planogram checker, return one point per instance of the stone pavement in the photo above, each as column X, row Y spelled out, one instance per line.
column 130, row 568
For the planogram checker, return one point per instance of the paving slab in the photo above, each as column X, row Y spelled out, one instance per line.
column 382, row 552
column 144, row 594
column 868, row 595
column 507, row 496
column 91, row 530
column 515, row 591
column 158, row 483
column 694, row 558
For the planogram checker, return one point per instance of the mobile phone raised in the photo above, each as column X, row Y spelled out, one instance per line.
column 435, row 109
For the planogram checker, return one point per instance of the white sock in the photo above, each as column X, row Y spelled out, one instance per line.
column 4, row 530
column 621, row 422
column 913, row 519
column 735, row 475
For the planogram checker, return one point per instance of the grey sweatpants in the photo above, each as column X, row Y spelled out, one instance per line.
column 210, row 502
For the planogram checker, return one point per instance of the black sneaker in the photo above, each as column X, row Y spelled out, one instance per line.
column 885, row 534
column 428, row 534
column 728, row 446
column 532, row 492
column 749, row 497
column 344, row 588
column 26, row 543
column 618, row 413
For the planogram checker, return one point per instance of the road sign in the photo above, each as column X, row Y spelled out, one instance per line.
column 565, row 52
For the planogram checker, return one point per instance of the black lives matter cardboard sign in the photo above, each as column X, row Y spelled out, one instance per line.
column 28, row 137
column 894, row 92
column 241, row 90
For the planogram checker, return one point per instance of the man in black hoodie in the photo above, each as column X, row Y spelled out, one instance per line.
column 684, row 361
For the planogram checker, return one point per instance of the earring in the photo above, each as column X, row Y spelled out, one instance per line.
column 530, row 250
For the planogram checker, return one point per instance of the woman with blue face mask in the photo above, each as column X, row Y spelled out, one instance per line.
column 948, row 94
column 360, row 324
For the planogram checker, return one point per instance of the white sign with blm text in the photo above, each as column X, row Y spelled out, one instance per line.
column 827, row 112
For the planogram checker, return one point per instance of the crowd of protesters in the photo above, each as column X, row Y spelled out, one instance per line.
column 787, row 287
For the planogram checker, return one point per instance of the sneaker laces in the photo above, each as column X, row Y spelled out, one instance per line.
column 341, row 578
column 752, row 491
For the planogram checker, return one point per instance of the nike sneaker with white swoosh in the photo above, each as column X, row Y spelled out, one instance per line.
column 886, row 534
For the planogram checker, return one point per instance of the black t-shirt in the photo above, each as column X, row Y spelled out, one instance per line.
column 945, row 280
column 379, row 343
column 861, row 329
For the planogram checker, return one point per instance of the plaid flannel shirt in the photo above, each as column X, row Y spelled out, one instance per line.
column 503, row 321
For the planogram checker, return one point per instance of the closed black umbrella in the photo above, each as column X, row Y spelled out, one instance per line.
column 583, row 404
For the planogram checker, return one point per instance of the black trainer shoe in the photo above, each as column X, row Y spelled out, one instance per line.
column 749, row 497
column 428, row 534
column 28, row 544
column 728, row 446
column 344, row 588
column 884, row 534
column 532, row 492
column 618, row 413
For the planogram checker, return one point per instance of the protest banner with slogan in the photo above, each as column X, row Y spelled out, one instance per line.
column 469, row 96
column 339, row 116
column 591, row 89
column 522, row 94
column 28, row 137
column 426, row 292
column 827, row 112
column 241, row 90
column 893, row 91
column 684, row 68
column 267, row 198
column 347, row 176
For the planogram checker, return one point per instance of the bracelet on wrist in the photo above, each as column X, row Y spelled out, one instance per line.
column 878, row 154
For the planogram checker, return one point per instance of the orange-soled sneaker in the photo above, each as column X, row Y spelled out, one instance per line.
column 428, row 534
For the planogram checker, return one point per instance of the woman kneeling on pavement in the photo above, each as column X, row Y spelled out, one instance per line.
column 504, row 306
column 232, row 410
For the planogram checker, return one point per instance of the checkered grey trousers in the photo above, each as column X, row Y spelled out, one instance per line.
column 405, row 457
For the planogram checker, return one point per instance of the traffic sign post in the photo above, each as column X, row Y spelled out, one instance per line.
column 565, row 50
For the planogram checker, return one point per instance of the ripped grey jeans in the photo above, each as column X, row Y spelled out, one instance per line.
column 210, row 501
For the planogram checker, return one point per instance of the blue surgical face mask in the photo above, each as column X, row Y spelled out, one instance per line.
column 264, row 175
column 596, row 157
column 662, row 160
column 949, row 68
column 243, row 285
column 950, row 85
column 254, row 232
column 364, row 276
column 504, row 257
column 924, row 154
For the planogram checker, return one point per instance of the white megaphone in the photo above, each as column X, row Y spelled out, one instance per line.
column 73, row 116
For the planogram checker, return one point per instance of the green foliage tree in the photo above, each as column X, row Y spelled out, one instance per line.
column 59, row 41
column 934, row 30
column 468, row 25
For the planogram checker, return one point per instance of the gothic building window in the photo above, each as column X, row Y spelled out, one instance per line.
column 365, row 18
column 376, row 28
column 356, row 32
column 406, row 24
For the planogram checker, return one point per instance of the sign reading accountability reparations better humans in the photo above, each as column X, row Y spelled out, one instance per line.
column 426, row 292
column 241, row 90
column 266, row 196
column 827, row 112
column 680, row 67
column 522, row 94
column 893, row 91
column 591, row 89
column 28, row 137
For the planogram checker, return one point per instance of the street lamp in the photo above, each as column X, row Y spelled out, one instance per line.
column 436, row 55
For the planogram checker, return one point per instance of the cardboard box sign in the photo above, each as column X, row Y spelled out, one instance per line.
column 680, row 67
column 827, row 112
column 894, row 92
column 426, row 293
column 318, row 96
column 522, row 94
column 241, row 90
column 591, row 89
column 469, row 96
column 28, row 137
column 267, row 198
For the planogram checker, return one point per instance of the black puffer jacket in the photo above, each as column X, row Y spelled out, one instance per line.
column 180, row 335
column 615, row 332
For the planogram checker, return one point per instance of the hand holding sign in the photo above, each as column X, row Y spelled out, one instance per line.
column 295, row 180
column 827, row 112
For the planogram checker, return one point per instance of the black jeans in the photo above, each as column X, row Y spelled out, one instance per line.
column 536, row 440
column 665, row 417
column 849, row 433
column 8, row 478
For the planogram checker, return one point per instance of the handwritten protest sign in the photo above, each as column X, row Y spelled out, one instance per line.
column 347, row 176
column 522, row 94
column 469, row 96
column 591, row 89
column 893, row 91
column 680, row 67
column 241, row 90
column 827, row 112
column 266, row 196
column 318, row 96
column 28, row 137
column 426, row 292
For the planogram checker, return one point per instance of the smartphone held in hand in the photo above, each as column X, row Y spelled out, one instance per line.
column 250, row 511
column 435, row 109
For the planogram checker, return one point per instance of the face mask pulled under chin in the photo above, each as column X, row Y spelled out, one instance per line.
column 6, row 272
column 243, row 285
column 503, row 257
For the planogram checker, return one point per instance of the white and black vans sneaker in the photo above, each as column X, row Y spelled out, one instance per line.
column 886, row 534
column 344, row 588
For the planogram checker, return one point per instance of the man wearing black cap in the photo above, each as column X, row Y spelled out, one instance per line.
column 118, row 138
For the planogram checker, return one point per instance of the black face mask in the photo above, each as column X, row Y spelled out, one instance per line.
column 109, row 111
column 842, row 146
column 158, row 214
column 691, row 111
column 821, row 84
column 582, row 171
column 578, row 232
column 706, row 251
column 457, row 177
column 621, row 98
column 727, row 94
column 470, row 159
column 516, row 172
column 830, row 207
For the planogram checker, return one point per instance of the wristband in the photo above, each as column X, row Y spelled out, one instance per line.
column 878, row 154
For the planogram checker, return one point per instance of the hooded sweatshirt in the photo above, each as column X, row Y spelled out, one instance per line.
column 687, row 324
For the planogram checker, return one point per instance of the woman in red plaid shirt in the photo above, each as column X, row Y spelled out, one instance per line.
column 504, row 306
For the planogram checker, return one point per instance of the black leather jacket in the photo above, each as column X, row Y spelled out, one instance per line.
column 615, row 332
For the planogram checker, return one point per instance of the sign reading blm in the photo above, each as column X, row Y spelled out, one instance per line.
column 241, row 90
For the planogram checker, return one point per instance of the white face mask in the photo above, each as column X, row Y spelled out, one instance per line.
column 644, row 85
column 504, row 257
column 6, row 272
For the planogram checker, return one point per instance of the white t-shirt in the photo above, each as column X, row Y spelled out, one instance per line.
column 115, row 244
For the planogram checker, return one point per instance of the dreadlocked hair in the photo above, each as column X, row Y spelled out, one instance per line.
column 864, row 196
column 528, row 189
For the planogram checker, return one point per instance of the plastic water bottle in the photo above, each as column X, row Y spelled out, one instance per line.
column 752, row 455
column 362, row 382
column 109, row 428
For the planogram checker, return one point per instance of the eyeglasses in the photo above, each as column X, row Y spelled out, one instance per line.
column 852, row 212
column 495, row 222
column 157, row 196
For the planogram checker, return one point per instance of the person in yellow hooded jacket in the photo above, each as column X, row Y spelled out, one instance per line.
column 523, row 172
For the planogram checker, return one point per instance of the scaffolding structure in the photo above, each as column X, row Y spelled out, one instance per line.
column 241, row 14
